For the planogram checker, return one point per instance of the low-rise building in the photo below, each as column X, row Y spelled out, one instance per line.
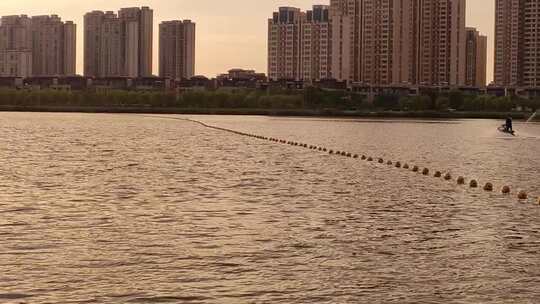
column 240, row 78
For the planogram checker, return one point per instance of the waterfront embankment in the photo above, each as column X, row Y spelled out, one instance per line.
column 268, row 112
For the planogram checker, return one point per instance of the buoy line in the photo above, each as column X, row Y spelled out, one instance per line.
column 522, row 195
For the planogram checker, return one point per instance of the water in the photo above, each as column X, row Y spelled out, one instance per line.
column 137, row 209
column 532, row 117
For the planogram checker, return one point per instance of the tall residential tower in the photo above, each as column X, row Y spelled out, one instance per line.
column 345, row 21
column 15, row 46
column 118, row 45
column 316, row 44
column 517, row 43
column 53, row 46
column 476, row 58
column 284, row 37
column 440, row 42
column 177, row 49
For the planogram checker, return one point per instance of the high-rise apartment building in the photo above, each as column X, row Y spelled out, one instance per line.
column 316, row 44
column 476, row 58
column 15, row 46
column 345, row 21
column 139, row 34
column 118, row 45
column 37, row 46
column 177, row 49
column 517, row 43
column 300, row 44
column 441, row 42
column 92, row 42
column 284, row 37
column 404, row 32
column 378, row 42
column 387, row 42
column 53, row 46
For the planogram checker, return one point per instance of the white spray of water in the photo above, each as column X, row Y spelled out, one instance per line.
column 532, row 117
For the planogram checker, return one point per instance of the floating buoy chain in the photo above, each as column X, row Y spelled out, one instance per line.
column 488, row 187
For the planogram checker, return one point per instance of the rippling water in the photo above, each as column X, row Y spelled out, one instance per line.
column 139, row 209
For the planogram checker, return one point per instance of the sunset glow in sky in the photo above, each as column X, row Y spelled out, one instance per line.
column 229, row 33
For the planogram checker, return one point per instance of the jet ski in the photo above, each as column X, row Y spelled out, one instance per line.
column 503, row 129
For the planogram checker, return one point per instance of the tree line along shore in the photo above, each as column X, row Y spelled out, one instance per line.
column 308, row 102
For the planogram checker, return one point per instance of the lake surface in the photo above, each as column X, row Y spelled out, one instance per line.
column 153, row 209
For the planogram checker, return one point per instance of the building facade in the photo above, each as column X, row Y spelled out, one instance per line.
column 15, row 63
column 517, row 43
column 118, row 45
column 177, row 49
column 300, row 44
column 53, row 46
column 374, row 42
column 15, row 46
column 37, row 46
column 386, row 41
column 476, row 58
column 316, row 44
column 284, row 35
column 345, row 20
column 441, row 43
column 138, row 24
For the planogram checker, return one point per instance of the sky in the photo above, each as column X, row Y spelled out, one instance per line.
column 230, row 34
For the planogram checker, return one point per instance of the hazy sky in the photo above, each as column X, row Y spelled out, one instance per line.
column 229, row 33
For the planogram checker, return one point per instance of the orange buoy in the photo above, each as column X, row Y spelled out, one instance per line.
column 473, row 184
column 488, row 187
column 461, row 180
column 355, row 156
column 364, row 157
column 389, row 163
column 381, row 160
column 425, row 171
column 505, row 190
column 415, row 169
column 398, row 165
column 349, row 155
column 447, row 176
column 406, row 166
column 522, row 195
column 331, row 152
column 438, row 174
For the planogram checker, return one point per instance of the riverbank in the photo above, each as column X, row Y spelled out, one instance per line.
column 269, row 112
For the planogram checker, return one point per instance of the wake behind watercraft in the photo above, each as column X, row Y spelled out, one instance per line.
column 504, row 129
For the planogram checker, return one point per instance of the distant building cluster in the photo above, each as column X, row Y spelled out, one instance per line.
column 377, row 42
column 115, row 45
column 37, row 46
column 361, row 45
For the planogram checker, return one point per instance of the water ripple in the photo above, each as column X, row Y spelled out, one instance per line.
column 132, row 209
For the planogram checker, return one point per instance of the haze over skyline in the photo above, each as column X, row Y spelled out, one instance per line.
column 229, row 35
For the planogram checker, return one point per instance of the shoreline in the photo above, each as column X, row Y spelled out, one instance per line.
column 269, row 112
